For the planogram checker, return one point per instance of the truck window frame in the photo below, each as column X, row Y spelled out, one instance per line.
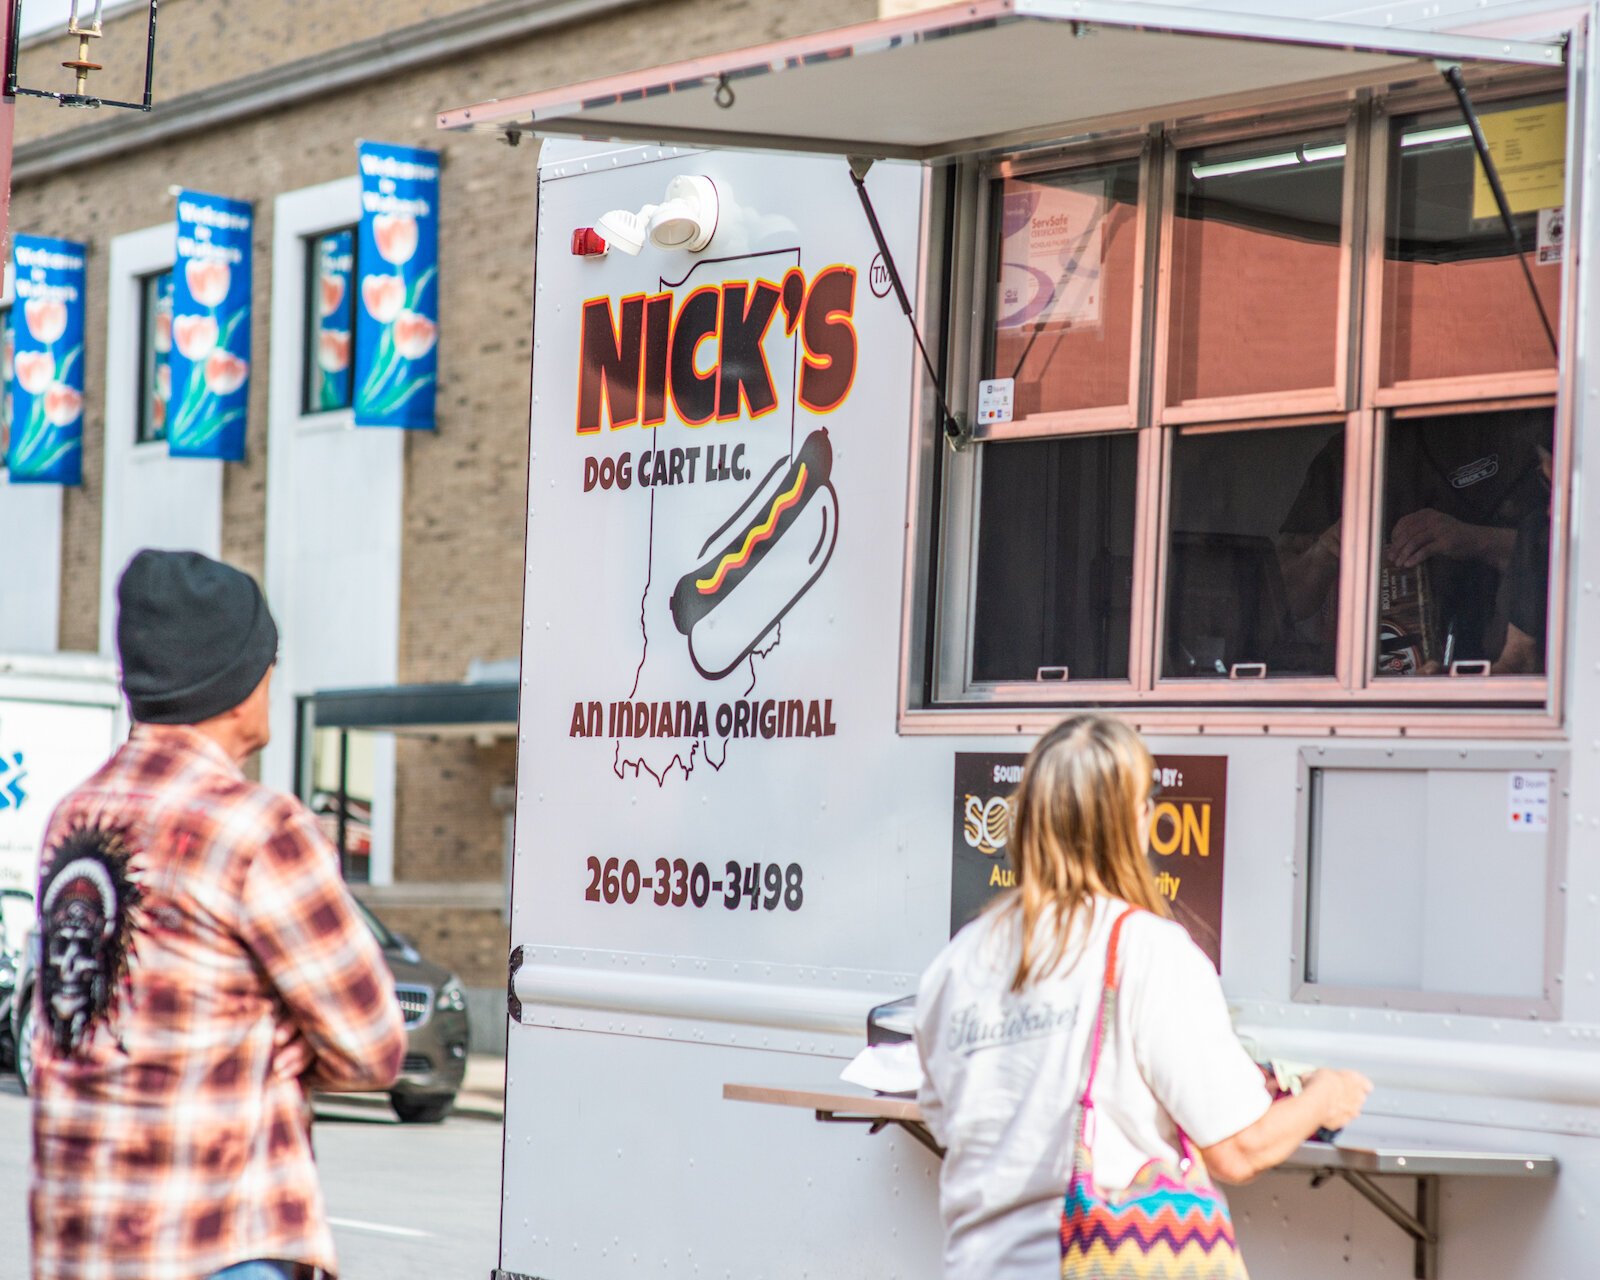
column 938, row 694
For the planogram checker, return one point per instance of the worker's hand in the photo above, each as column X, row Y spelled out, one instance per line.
column 291, row 1055
column 1428, row 533
column 1338, row 1095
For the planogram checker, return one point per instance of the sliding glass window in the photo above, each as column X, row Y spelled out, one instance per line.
column 1287, row 431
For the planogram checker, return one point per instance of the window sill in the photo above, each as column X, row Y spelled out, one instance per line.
column 334, row 420
column 1333, row 721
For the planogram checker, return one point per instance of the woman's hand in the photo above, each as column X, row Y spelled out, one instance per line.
column 1329, row 1100
column 1339, row 1095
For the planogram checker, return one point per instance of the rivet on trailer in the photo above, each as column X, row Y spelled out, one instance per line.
column 1221, row 370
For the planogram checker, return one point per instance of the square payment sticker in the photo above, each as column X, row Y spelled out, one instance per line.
column 1528, row 802
column 995, row 400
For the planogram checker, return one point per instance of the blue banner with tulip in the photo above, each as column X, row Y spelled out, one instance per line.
column 397, row 323
column 45, row 356
column 210, row 357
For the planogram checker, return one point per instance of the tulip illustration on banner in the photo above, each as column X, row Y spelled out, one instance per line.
column 407, row 335
column 397, row 318
column 43, row 355
column 210, row 329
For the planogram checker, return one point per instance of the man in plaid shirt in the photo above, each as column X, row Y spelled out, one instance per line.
column 202, row 969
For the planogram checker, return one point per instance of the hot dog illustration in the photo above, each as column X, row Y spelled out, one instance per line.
column 782, row 539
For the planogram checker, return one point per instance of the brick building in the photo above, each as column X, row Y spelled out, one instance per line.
column 393, row 559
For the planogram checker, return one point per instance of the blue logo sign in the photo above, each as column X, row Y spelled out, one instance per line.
column 397, row 321
column 44, row 343
column 12, row 776
column 210, row 328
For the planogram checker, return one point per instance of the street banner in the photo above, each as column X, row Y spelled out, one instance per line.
column 397, row 323
column 46, row 337
column 210, row 329
column 1188, row 830
column 330, row 371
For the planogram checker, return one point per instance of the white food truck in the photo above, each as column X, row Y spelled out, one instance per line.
column 900, row 389
column 61, row 716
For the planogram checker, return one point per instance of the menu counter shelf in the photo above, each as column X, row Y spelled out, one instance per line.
column 1359, row 1166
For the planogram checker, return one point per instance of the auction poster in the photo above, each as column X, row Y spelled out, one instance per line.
column 210, row 356
column 397, row 323
column 1187, row 835
column 46, row 445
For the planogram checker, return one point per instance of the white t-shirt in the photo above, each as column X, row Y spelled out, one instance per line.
column 1002, row 1073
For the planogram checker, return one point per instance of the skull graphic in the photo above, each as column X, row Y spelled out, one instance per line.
column 84, row 913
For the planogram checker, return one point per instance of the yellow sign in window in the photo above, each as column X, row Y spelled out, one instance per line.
column 1529, row 146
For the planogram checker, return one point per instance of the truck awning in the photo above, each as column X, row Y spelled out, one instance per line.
column 974, row 77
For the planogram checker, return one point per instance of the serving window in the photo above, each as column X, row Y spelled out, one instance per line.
column 1063, row 302
column 1260, row 414
column 1456, row 303
column 1253, row 552
column 1258, row 274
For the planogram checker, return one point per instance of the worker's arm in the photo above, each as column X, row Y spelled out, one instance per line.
column 299, row 922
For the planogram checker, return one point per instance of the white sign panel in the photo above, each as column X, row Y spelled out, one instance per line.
column 996, row 401
column 1552, row 236
column 46, row 749
column 716, row 530
column 1528, row 802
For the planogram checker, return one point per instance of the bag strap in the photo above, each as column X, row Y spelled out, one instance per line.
column 1107, row 992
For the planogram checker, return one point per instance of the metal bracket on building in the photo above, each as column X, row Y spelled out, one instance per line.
column 1422, row 1226
column 876, row 1124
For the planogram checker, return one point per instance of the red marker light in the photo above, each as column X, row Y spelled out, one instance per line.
column 588, row 243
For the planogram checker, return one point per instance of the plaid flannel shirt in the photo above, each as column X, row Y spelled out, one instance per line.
column 175, row 1139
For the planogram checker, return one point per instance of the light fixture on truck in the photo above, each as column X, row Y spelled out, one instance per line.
column 686, row 219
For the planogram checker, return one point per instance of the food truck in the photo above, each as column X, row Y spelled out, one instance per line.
column 901, row 389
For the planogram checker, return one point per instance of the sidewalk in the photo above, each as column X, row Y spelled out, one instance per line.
column 482, row 1096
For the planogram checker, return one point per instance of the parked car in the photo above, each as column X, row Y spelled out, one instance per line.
column 435, row 1008
column 431, row 999
column 16, row 921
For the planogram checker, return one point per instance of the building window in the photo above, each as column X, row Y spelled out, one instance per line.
column 155, row 357
column 1288, row 432
column 329, row 321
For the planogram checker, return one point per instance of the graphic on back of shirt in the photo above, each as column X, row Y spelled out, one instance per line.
column 87, row 902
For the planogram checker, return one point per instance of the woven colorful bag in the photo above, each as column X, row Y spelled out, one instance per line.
column 1169, row 1224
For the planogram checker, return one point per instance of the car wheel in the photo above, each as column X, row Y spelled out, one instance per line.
column 428, row 1110
column 24, row 1051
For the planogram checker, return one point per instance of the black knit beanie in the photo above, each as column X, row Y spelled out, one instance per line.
column 195, row 636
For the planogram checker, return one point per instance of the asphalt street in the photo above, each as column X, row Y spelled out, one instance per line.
column 408, row 1202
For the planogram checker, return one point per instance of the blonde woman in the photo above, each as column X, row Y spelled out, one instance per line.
column 1006, row 1013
